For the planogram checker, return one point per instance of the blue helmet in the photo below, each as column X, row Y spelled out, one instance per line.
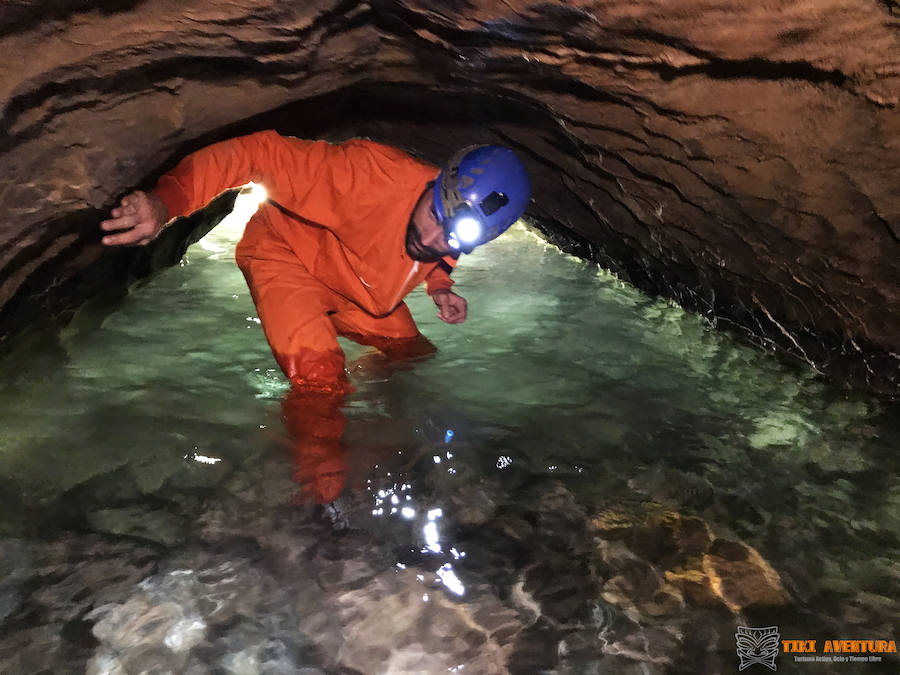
column 482, row 190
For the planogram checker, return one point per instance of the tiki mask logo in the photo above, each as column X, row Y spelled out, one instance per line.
column 757, row 645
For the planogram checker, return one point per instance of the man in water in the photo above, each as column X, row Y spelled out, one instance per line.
column 346, row 233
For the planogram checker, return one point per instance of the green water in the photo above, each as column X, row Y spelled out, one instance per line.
column 570, row 396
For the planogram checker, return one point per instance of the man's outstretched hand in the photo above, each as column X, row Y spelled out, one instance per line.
column 138, row 219
column 451, row 307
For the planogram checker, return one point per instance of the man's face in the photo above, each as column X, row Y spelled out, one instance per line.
column 425, row 239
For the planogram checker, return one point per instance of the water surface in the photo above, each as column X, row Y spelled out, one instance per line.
column 582, row 480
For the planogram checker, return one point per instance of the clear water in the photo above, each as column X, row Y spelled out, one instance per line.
column 622, row 488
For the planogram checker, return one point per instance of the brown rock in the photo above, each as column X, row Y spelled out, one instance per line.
column 667, row 601
column 671, row 541
column 641, row 548
column 740, row 576
column 665, row 538
column 694, row 586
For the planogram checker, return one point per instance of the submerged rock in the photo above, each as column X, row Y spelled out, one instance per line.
column 51, row 587
column 663, row 537
column 694, row 586
column 16, row 561
column 212, row 611
column 741, row 577
column 144, row 635
column 669, row 577
column 673, row 487
column 398, row 624
column 156, row 525
column 474, row 503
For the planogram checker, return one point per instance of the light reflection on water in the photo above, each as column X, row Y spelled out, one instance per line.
column 541, row 485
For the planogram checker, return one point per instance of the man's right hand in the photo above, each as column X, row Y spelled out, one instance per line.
column 139, row 216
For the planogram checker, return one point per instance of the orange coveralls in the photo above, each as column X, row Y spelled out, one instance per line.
column 325, row 256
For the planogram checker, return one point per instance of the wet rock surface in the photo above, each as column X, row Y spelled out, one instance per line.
column 271, row 584
column 48, row 588
column 748, row 173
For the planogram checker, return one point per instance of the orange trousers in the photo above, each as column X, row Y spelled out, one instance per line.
column 301, row 319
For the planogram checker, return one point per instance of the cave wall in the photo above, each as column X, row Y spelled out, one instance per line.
column 743, row 159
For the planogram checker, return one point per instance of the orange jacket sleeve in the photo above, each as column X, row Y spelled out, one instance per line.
column 439, row 279
column 289, row 168
column 205, row 174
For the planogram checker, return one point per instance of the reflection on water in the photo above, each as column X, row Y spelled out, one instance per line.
column 581, row 480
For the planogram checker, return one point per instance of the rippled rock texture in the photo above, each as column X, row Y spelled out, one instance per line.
column 742, row 159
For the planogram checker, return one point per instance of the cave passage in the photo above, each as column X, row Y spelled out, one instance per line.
column 581, row 475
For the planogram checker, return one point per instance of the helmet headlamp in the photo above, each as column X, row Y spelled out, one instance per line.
column 464, row 229
column 468, row 230
column 479, row 193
